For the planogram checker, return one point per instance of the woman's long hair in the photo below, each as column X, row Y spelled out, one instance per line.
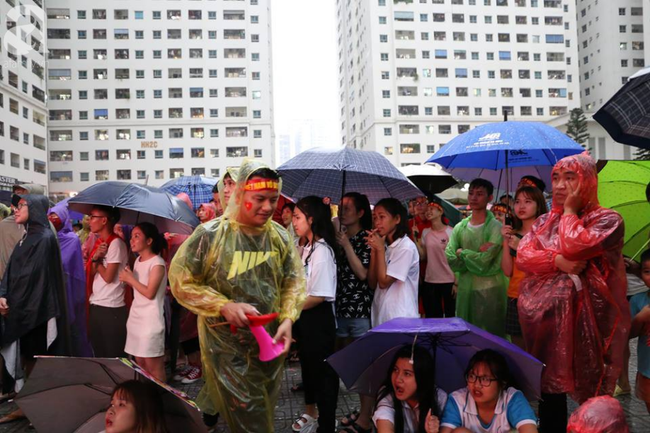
column 395, row 208
column 426, row 392
column 534, row 194
column 361, row 203
column 145, row 397
column 321, row 225
column 150, row 231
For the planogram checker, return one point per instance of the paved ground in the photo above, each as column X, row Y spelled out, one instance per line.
column 290, row 404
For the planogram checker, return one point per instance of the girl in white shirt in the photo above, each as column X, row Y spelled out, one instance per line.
column 410, row 402
column 316, row 328
column 394, row 269
column 145, row 329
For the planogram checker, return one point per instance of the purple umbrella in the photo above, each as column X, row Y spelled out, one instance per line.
column 363, row 365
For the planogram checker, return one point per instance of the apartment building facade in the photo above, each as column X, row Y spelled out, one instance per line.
column 416, row 73
column 152, row 90
column 23, row 153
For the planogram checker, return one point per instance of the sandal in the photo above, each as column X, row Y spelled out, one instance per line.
column 356, row 428
column 304, row 423
column 350, row 419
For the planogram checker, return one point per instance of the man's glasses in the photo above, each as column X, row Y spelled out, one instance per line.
column 97, row 216
column 483, row 380
column 21, row 205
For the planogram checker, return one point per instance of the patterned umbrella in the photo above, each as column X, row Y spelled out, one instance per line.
column 626, row 116
column 332, row 173
column 138, row 203
column 198, row 188
column 621, row 187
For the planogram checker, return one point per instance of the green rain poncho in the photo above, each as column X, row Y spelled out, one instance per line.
column 481, row 298
column 224, row 261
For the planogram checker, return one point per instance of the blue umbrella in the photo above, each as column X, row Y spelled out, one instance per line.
column 526, row 148
column 335, row 172
column 198, row 188
column 138, row 203
column 364, row 364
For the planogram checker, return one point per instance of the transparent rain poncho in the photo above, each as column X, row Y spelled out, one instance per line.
column 481, row 298
column 575, row 324
column 602, row 414
column 224, row 261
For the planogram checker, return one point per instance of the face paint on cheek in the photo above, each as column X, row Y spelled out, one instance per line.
column 248, row 205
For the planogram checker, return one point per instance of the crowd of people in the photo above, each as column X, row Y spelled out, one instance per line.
column 552, row 281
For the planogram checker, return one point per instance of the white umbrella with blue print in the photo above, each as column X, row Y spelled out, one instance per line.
column 335, row 172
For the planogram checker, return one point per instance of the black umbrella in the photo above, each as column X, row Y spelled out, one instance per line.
column 138, row 203
column 429, row 178
column 626, row 116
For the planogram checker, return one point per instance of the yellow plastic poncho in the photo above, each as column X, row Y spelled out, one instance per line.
column 481, row 299
column 224, row 261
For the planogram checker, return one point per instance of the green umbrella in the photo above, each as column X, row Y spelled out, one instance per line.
column 621, row 187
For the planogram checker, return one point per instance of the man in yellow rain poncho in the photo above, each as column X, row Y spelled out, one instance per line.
column 242, row 263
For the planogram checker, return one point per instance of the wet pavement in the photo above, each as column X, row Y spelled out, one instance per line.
column 290, row 404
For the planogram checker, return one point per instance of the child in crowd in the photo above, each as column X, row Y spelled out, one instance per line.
column 529, row 204
column 640, row 306
column 500, row 212
column 437, row 292
column 474, row 251
column 394, row 270
column 488, row 404
column 316, row 326
column 136, row 407
column 409, row 401
column 145, row 328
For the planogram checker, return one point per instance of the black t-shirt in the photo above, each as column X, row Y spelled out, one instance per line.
column 354, row 297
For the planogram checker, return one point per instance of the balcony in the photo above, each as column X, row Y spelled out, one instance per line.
column 122, row 113
column 405, row 54
column 100, row 74
column 235, row 92
column 234, row 34
column 99, row 14
column 61, row 135
column 194, row 14
column 236, row 112
column 121, row 54
column 174, row 53
column 407, row 91
column 237, row 152
column 405, row 35
column 407, row 73
column 174, row 34
column 235, row 53
column 175, row 73
column 39, row 119
column 122, row 93
column 60, row 94
column 237, row 132
column 409, row 129
column 122, row 74
column 100, row 54
column 234, row 15
column 175, row 113
column 408, row 110
column 58, row 33
column 235, row 72
column 59, row 55
column 174, row 15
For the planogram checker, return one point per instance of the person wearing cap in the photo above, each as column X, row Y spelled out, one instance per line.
column 241, row 264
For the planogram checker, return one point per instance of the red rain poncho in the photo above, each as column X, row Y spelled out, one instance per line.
column 599, row 415
column 576, row 325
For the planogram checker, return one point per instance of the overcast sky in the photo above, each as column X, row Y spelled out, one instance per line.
column 305, row 66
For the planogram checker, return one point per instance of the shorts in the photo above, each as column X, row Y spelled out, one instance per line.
column 512, row 319
column 352, row 327
column 642, row 388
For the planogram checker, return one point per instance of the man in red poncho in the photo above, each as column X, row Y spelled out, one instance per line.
column 572, row 304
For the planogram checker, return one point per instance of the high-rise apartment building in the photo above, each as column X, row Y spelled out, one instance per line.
column 22, row 93
column 611, row 48
column 415, row 73
column 152, row 90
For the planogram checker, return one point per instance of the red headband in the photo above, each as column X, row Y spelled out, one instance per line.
column 258, row 184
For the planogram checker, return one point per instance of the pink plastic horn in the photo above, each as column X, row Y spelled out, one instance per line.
column 268, row 350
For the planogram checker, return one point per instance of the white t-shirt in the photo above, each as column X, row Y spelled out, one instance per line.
column 401, row 298
column 111, row 294
column 320, row 270
column 386, row 411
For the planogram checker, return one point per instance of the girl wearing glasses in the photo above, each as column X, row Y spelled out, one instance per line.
column 488, row 404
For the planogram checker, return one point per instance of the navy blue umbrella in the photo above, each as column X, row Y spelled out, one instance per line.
column 198, row 188
column 626, row 116
column 138, row 203
column 335, row 172
column 525, row 148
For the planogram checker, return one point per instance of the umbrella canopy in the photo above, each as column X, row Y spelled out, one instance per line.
column 66, row 395
column 520, row 146
column 621, row 187
column 138, row 203
column 363, row 365
column 454, row 195
column 198, row 188
column 333, row 173
column 429, row 177
column 626, row 116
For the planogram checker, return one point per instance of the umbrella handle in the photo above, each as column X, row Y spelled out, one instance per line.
column 641, row 249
